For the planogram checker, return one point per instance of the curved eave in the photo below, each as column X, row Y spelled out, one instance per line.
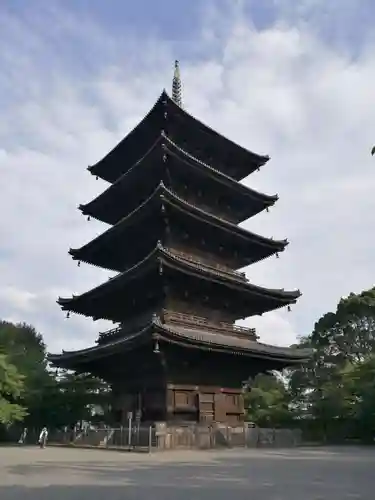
column 161, row 255
column 185, row 337
column 248, row 157
column 183, row 156
column 146, row 207
column 200, row 270
column 247, row 160
column 194, row 211
column 190, row 337
column 139, row 268
column 163, row 194
column 89, row 208
column 186, row 157
column 99, row 168
column 71, row 358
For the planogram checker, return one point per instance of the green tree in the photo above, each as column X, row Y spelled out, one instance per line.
column 345, row 336
column 11, row 386
column 51, row 399
column 77, row 395
column 349, row 333
column 268, row 401
column 360, row 385
column 26, row 350
column 342, row 341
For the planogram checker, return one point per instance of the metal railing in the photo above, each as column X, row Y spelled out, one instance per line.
column 147, row 438
column 133, row 437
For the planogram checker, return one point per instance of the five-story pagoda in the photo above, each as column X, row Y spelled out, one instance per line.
column 174, row 204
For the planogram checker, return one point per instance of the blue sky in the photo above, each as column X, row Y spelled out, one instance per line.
column 293, row 79
column 340, row 22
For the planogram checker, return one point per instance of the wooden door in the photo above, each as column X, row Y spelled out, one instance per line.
column 206, row 407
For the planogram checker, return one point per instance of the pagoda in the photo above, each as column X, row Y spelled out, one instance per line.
column 174, row 205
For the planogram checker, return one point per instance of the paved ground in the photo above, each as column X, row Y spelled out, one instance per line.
column 301, row 474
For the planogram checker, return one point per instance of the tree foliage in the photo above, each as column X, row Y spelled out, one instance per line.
column 349, row 333
column 337, row 385
column 268, row 402
column 360, row 382
column 11, row 387
column 51, row 399
column 77, row 395
column 26, row 350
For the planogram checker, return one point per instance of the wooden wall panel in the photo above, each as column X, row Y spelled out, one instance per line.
column 220, row 409
column 182, row 399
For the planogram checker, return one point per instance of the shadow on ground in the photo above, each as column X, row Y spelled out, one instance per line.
column 83, row 492
column 337, row 475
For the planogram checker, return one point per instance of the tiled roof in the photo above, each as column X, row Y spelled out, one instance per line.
column 183, row 156
column 232, row 342
column 160, row 253
column 180, row 204
column 154, row 119
column 210, row 340
column 188, row 158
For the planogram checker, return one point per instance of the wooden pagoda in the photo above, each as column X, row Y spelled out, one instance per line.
column 174, row 204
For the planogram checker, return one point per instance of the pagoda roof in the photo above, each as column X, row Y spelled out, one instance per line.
column 189, row 337
column 110, row 205
column 166, row 115
column 257, row 247
column 156, row 265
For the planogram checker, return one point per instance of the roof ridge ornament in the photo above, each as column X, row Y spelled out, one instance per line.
column 176, row 85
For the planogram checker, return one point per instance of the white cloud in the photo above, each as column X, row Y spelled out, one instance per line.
column 3, row 155
column 279, row 91
column 18, row 299
column 274, row 328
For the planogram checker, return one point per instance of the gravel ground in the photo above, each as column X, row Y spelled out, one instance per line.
column 76, row 474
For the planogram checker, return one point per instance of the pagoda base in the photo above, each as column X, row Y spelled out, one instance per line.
column 180, row 404
column 171, row 436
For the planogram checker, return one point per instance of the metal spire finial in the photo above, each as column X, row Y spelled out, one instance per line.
column 176, row 85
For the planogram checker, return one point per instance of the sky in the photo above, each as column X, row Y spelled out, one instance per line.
column 292, row 79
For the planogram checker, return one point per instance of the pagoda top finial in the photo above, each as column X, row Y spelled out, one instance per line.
column 176, row 85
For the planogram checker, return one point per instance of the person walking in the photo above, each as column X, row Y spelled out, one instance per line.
column 43, row 437
column 22, row 439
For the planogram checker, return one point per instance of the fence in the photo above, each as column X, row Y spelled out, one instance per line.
column 134, row 437
column 189, row 436
column 167, row 436
column 223, row 436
